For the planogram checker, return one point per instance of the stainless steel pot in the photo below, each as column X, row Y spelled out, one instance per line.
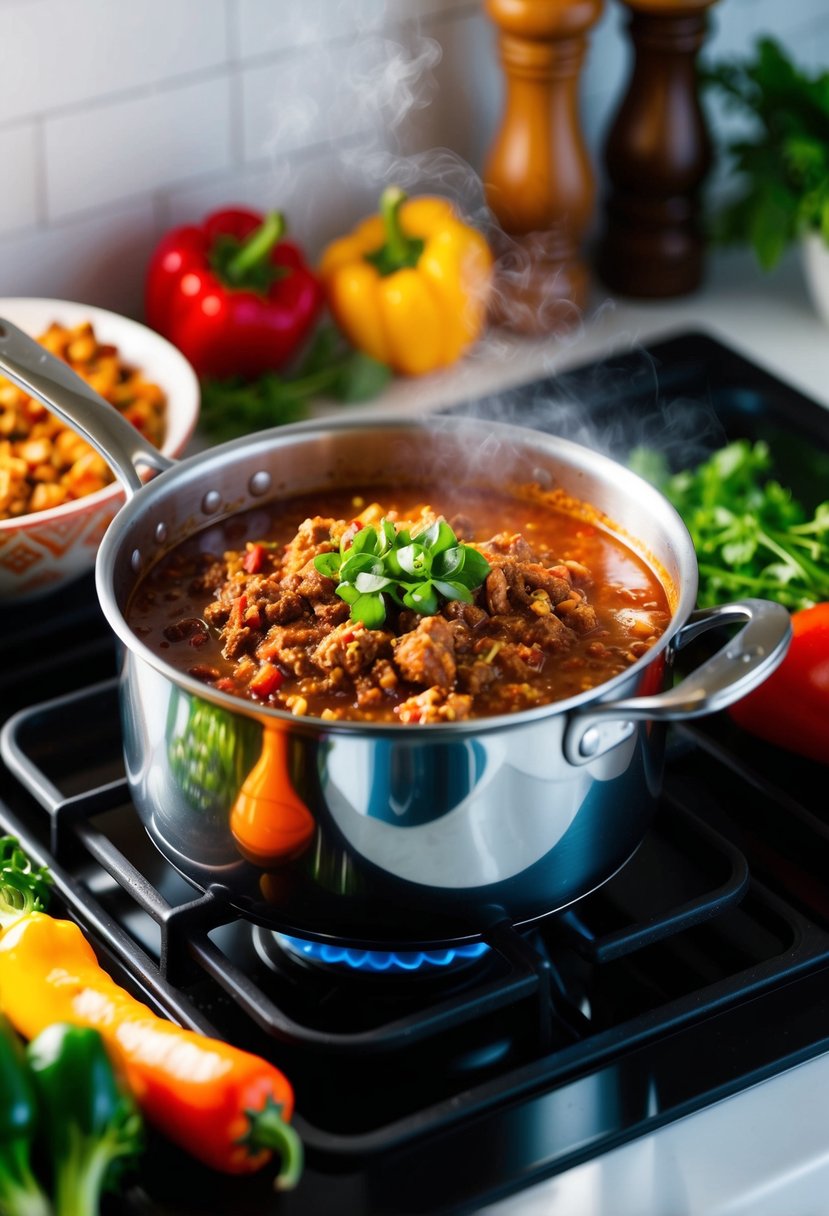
column 392, row 835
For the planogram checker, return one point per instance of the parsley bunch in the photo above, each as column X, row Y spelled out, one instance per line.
column 331, row 368
column 751, row 536
column 417, row 572
column 782, row 162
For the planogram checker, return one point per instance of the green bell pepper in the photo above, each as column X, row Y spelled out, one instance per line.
column 20, row 1192
column 92, row 1125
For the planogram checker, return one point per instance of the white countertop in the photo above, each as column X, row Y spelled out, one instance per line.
column 764, row 1152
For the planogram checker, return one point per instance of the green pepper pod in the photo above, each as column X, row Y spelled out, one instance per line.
column 20, row 1193
column 91, row 1121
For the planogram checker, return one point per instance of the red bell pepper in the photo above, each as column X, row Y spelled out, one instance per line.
column 791, row 707
column 234, row 297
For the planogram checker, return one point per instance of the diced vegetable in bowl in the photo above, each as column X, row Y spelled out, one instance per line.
column 57, row 495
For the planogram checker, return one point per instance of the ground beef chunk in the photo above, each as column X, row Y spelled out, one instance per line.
column 313, row 537
column 263, row 593
column 549, row 632
column 513, row 584
column 507, row 544
column 470, row 614
column 315, row 586
column 518, row 661
column 332, row 613
column 496, row 590
column 287, row 646
column 578, row 615
column 427, row 655
column 212, row 576
column 377, row 685
column 352, row 647
column 284, row 607
column 557, row 588
column 474, row 677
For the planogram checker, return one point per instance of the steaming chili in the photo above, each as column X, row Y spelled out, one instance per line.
column 566, row 605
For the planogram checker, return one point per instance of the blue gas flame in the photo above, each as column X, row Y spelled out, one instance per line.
column 382, row 961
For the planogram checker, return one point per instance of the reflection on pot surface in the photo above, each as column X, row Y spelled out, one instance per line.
column 288, row 820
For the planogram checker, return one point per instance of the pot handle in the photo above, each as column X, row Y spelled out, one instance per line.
column 742, row 664
column 43, row 375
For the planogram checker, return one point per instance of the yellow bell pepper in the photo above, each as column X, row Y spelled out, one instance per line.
column 410, row 285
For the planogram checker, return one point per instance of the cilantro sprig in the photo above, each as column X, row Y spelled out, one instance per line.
column 417, row 572
column 751, row 535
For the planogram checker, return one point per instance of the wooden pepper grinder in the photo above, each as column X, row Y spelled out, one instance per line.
column 657, row 155
column 538, row 178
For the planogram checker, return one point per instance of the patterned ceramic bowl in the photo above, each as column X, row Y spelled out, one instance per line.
column 47, row 548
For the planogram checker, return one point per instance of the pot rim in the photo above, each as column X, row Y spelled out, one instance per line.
column 684, row 593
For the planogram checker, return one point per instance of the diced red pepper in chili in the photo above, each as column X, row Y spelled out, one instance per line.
column 266, row 681
column 253, row 617
column 254, row 558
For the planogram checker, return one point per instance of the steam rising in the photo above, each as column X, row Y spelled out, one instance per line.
column 389, row 80
column 367, row 94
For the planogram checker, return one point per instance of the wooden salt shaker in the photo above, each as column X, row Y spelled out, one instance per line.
column 657, row 155
column 538, row 179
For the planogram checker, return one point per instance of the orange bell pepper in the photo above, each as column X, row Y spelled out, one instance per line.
column 225, row 1106
column 409, row 286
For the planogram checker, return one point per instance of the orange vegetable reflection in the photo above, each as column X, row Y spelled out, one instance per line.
column 269, row 820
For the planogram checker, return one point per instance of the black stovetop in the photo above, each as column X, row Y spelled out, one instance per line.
column 437, row 1093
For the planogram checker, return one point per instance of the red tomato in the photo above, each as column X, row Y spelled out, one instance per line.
column 791, row 707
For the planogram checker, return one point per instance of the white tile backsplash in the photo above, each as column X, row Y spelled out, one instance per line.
column 20, row 201
column 266, row 28
column 118, row 118
column 106, row 154
column 98, row 260
column 58, row 53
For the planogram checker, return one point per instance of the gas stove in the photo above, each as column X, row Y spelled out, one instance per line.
column 442, row 1081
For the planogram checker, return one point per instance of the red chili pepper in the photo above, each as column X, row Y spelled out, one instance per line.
column 231, row 295
column 791, row 707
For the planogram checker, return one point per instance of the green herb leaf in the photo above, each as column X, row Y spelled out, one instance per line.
column 367, row 583
column 414, row 560
column 328, row 564
column 422, row 599
column 452, row 591
column 331, row 368
column 377, row 563
column 782, row 163
column 370, row 609
column 751, row 536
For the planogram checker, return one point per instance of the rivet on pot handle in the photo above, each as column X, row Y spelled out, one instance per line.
column 43, row 375
column 742, row 664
